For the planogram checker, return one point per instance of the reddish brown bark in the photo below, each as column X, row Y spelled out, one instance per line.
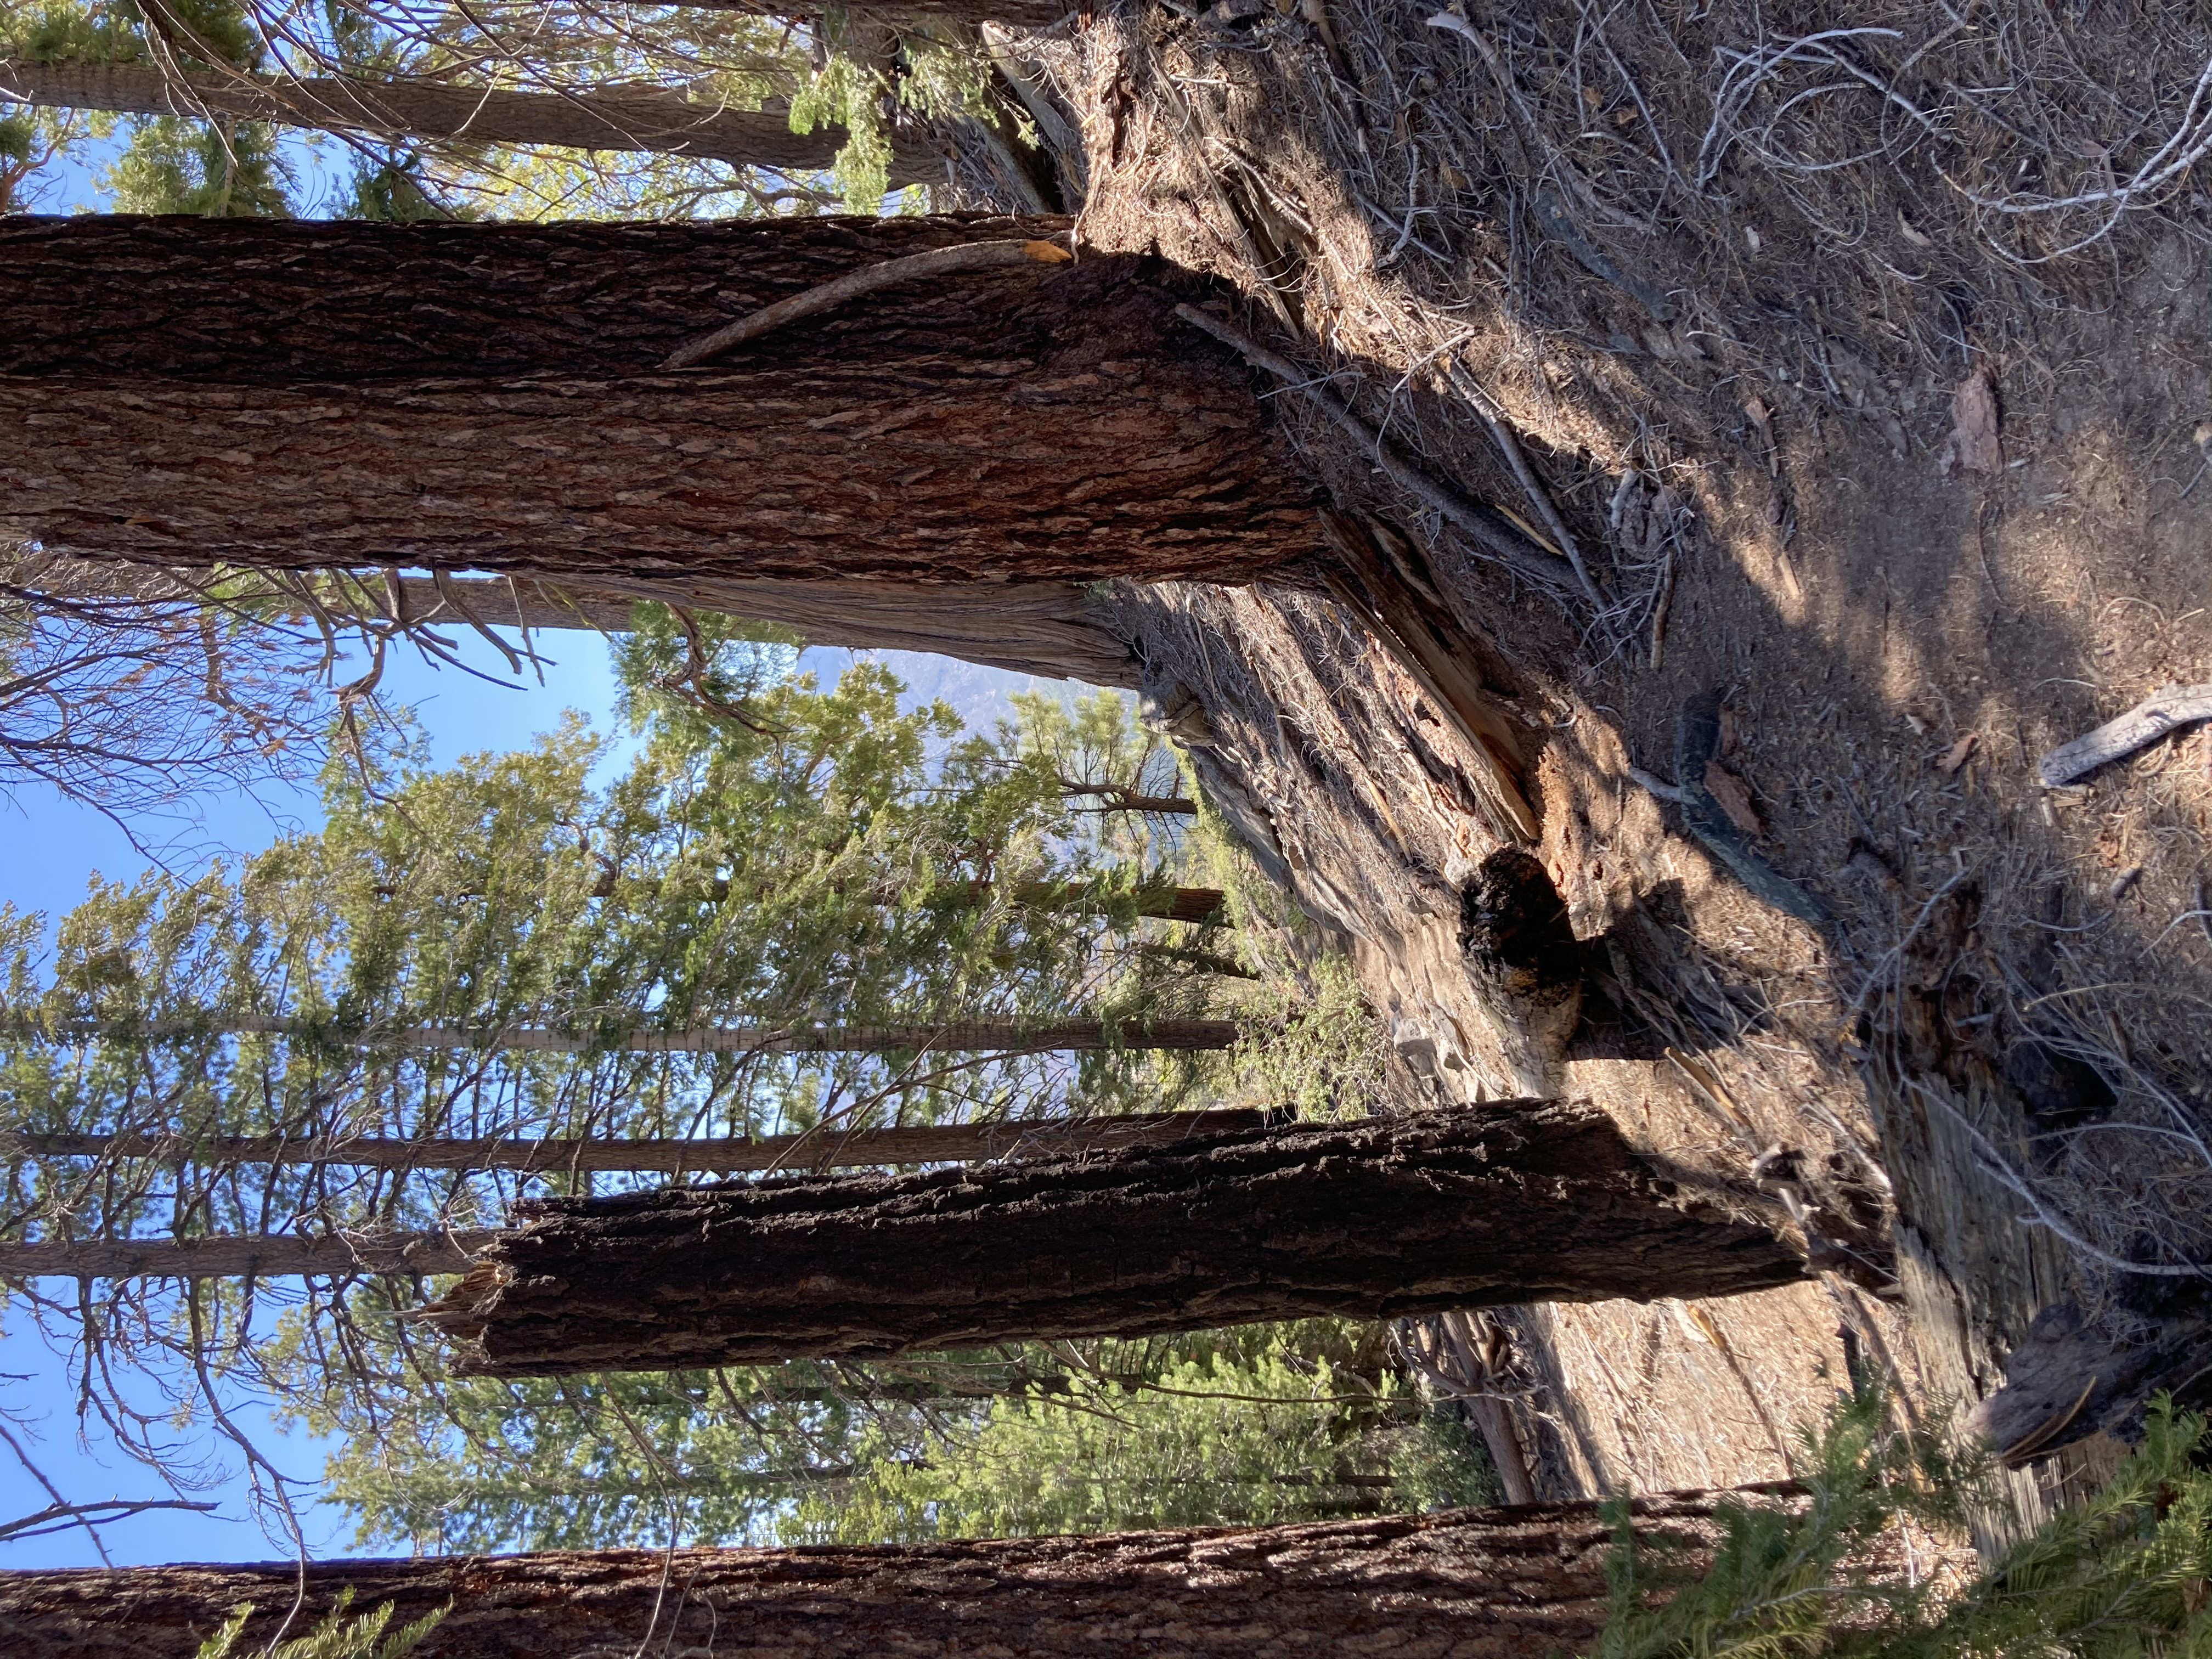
column 1484, row 1205
column 489, row 395
column 1523, row 1584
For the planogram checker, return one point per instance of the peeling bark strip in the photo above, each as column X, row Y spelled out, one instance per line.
column 585, row 118
column 868, row 279
column 1532, row 1202
column 487, row 396
column 1519, row 1583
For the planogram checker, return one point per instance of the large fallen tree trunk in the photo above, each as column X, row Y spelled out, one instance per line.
column 497, row 397
column 1520, row 1583
column 634, row 117
column 1531, row 1202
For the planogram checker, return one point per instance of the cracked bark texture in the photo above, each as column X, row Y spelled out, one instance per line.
column 489, row 396
column 1519, row 1583
column 1527, row 1202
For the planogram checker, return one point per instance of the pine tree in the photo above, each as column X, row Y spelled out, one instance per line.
column 1516, row 1584
column 223, row 1040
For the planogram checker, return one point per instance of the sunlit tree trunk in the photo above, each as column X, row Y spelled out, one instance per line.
column 1466, row 1207
column 1523, row 1583
column 493, row 397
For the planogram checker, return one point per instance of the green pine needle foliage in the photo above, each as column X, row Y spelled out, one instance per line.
column 336, row 1638
column 1241, row 1428
column 2121, row 1575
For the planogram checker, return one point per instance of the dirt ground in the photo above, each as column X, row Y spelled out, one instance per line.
column 1861, row 363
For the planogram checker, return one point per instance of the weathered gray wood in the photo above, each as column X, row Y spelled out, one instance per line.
column 2168, row 710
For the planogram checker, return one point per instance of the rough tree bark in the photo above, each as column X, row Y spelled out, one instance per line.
column 960, row 1036
column 1520, row 1583
column 615, row 118
column 458, row 396
column 824, row 1149
column 1489, row 1204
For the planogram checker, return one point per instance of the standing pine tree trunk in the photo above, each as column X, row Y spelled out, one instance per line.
column 939, row 1037
column 1523, row 1583
column 1471, row 1206
column 1029, row 628
column 826, row 1147
column 635, row 118
column 495, row 396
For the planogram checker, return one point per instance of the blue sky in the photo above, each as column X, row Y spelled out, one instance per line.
column 51, row 849
column 54, row 848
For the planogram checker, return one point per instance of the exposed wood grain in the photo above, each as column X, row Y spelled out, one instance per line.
column 2169, row 710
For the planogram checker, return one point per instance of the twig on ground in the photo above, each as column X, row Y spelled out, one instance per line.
column 1994, row 1164
column 2168, row 710
column 1656, row 786
column 1659, row 606
column 1485, row 523
column 1509, row 448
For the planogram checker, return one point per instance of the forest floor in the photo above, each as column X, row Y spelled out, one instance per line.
column 1864, row 366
